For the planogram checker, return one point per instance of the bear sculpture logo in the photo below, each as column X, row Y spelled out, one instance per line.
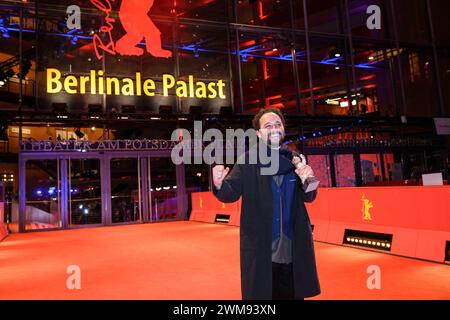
column 138, row 25
column 134, row 17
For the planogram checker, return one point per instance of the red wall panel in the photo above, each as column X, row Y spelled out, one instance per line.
column 418, row 217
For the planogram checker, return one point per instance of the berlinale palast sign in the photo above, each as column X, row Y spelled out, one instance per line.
column 97, row 83
column 138, row 25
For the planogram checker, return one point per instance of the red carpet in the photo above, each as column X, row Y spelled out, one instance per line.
column 187, row 260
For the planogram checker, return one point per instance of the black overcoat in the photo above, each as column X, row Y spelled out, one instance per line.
column 256, row 233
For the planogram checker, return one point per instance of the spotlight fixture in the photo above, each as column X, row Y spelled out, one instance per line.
column 79, row 134
column 26, row 66
column 128, row 109
column 195, row 111
column 222, row 218
column 226, row 111
column 95, row 108
column 334, row 53
column 165, row 109
column 59, row 107
column 373, row 240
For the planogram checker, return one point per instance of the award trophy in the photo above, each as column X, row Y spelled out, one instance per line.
column 310, row 183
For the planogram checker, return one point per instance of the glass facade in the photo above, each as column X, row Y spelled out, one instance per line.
column 383, row 50
column 163, row 189
column 73, row 190
column 43, row 192
column 344, row 72
column 84, row 192
column 345, row 170
column 125, row 184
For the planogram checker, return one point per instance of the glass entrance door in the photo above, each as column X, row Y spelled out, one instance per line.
column 99, row 189
column 42, row 195
column 163, row 190
column 84, row 192
column 126, row 197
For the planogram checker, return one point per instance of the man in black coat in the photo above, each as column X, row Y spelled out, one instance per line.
column 276, row 245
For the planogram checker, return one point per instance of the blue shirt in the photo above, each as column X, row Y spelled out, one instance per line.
column 282, row 223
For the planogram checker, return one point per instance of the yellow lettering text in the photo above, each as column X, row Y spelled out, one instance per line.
column 200, row 92
column 69, row 83
column 128, row 87
column 168, row 83
column 181, row 89
column 212, row 90
column 149, row 85
column 109, row 82
column 53, row 76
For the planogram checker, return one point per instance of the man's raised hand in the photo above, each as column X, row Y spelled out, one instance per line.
column 219, row 173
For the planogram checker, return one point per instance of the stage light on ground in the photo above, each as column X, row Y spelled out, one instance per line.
column 378, row 241
column 222, row 218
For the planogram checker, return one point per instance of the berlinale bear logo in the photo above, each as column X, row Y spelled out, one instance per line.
column 366, row 206
column 133, row 15
column 138, row 25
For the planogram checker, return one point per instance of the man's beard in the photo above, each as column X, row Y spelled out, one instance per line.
column 274, row 139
